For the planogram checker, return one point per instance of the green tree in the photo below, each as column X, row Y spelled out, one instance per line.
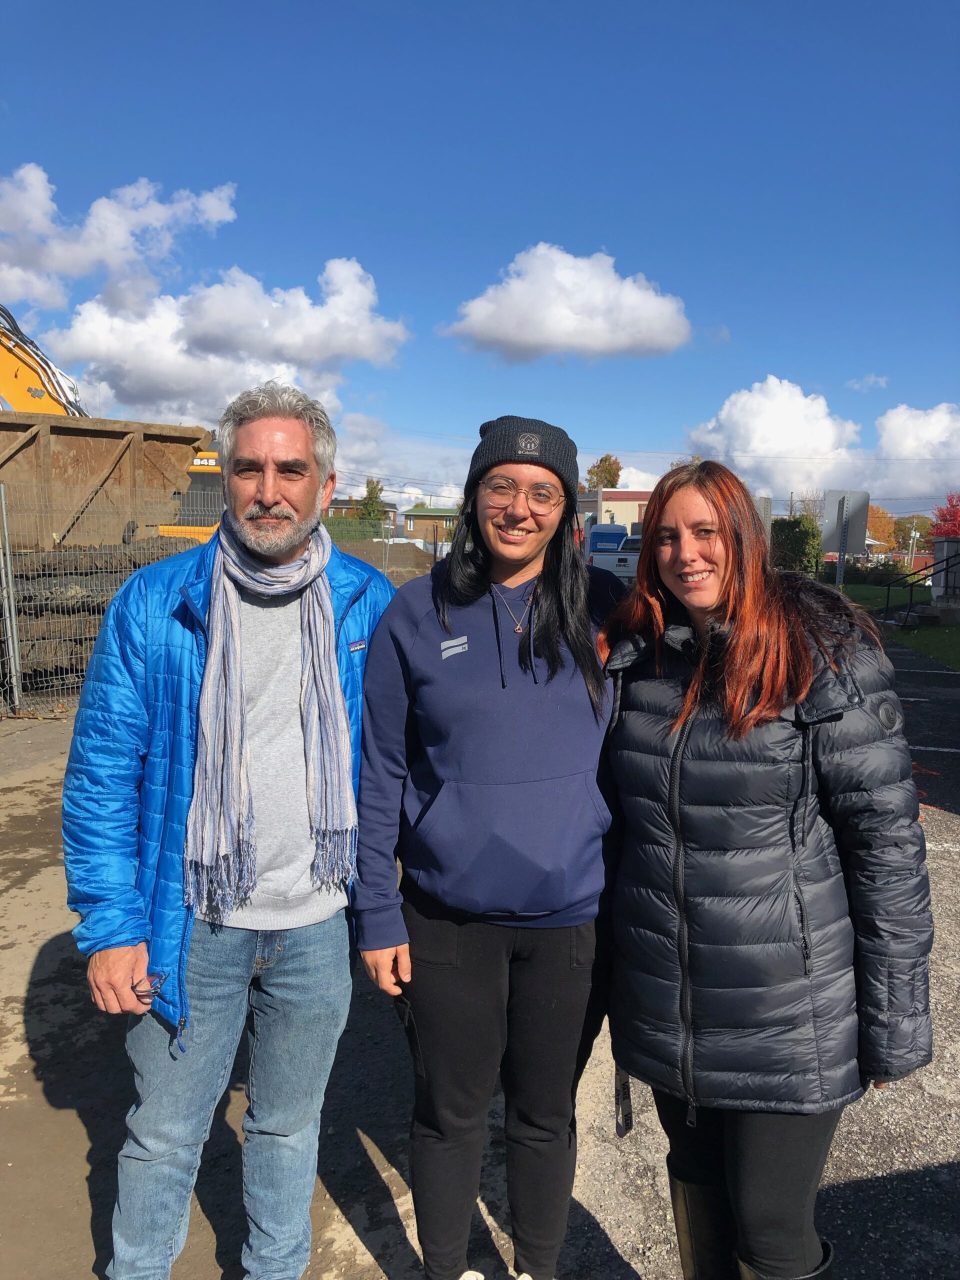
column 795, row 544
column 370, row 506
column 605, row 473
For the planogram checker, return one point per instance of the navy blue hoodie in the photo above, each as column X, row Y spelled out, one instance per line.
column 479, row 776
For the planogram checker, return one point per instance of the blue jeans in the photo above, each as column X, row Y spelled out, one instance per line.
column 295, row 986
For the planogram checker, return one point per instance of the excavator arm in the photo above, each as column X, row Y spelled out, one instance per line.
column 29, row 382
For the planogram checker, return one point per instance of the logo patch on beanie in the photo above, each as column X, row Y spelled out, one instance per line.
column 528, row 442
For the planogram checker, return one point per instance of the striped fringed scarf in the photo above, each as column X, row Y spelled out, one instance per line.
column 220, row 851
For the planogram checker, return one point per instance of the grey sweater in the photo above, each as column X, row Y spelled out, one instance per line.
column 270, row 650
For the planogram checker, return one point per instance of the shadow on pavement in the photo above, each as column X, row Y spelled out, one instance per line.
column 79, row 1059
column 363, row 1156
column 366, row 1118
column 865, row 1219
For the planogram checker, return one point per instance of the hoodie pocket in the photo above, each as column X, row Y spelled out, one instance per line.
column 512, row 849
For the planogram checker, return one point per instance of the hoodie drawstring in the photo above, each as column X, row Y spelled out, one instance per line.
column 531, row 637
column 533, row 653
column 496, row 631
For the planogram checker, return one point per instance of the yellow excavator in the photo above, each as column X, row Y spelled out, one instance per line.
column 29, row 381
column 202, row 503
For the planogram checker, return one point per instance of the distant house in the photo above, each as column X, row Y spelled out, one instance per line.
column 429, row 524
column 618, row 506
column 350, row 509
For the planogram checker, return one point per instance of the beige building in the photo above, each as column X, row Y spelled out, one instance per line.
column 432, row 524
column 619, row 506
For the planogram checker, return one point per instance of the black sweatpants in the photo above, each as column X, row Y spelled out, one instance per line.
column 770, row 1163
column 488, row 998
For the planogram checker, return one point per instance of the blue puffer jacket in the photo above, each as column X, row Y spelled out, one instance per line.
column 129, row 780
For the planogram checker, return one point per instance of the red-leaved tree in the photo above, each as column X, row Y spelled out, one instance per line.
column 947, row 521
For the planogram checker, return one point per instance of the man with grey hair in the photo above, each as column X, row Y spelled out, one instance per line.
column 209, row 829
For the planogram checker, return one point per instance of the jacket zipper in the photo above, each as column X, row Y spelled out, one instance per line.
column 686, row 997
column 202, row 639
column 798, row 840
column 802, row 920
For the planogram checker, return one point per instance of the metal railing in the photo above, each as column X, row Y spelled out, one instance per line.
column 917, row 578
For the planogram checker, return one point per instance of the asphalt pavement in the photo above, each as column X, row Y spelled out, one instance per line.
column 890, row 1200
column 930, row 693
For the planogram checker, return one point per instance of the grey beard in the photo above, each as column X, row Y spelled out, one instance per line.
column 273, row 542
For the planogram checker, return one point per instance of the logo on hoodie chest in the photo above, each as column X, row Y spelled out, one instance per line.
column 450, row 648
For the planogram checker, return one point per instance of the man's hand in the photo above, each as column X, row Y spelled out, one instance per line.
column 388, row 967
column 118, row 979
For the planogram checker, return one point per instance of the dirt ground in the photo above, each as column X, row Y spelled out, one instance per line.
column 891, row 1196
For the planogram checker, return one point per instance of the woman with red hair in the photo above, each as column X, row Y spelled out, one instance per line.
column 771, row 904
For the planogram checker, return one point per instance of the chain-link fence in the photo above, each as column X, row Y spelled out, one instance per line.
column 52, row 601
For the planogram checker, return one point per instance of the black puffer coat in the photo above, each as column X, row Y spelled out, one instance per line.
column 772, row 910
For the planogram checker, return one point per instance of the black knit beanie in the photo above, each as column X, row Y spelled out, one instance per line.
column 529, row 440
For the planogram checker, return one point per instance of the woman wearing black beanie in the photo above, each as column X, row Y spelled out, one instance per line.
column 485, row 709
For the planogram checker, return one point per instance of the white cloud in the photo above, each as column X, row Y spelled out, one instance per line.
column 869, row 382
column 186, row 355
column 719, row 335
column 920, row 433
column 778, row 439
column 411, row 468
column 27, row 207
column 157, row 353
column 551, row 302
column 795, row 439
column 240, row 317
column 635, row 478
column 128, row 231
column 150, row 368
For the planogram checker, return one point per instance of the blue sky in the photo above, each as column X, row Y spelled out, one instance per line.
column 722, row 226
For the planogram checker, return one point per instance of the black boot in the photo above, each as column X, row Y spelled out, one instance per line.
column 823, row 1272
column 706, row 1236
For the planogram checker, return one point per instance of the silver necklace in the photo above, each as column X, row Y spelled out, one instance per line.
column 518, row 622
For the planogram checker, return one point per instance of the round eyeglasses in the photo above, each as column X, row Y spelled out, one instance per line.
column 501, row 491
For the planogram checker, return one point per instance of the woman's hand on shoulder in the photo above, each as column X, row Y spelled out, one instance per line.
column 388, row 967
